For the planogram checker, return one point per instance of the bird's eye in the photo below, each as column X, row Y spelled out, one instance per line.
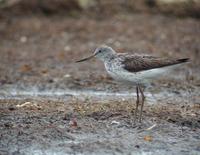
column 99, row 51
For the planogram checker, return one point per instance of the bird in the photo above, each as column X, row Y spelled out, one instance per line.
column 134, row 69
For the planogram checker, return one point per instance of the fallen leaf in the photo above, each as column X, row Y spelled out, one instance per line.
column 61, row 56
column 148, row 138
column 73, row 123
column 25, row 68
column 44, row 71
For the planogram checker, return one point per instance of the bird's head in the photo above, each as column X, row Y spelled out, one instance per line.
column 103, row 53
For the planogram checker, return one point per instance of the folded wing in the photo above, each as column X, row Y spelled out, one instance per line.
column 137, row 63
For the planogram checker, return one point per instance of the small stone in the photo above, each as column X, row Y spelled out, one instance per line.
column 115, row 123
column 67, row 75
column 11, row 108
column 67, row 48
column 50, row 81
column 23, row 39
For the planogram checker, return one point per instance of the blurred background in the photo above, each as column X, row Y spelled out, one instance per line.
column 41, row 40
column 77, row 7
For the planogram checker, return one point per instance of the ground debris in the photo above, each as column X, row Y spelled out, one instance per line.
column 115, row 122
column 25, row 68
column 151, row 127
column 29, row 105
column 73, row 123
column 148, row 138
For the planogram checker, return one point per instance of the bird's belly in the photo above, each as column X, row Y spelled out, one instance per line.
column 143, row 77
column 124, row 77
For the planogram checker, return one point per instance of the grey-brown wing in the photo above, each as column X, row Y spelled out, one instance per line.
column 136, row 63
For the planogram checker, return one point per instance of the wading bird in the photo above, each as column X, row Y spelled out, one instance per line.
column 134, row 69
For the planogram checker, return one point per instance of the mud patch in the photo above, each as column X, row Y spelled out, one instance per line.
column 43, row 127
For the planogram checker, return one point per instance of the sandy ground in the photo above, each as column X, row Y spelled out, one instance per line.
column 51, row 105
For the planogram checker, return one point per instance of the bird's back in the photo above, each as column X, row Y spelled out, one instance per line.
column 137, row 63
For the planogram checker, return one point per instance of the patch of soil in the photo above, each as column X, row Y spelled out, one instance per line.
column 82, row 126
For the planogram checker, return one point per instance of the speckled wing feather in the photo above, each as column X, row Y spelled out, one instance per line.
column 137, row 63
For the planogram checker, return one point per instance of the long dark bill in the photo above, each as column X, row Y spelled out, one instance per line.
column 86, row 58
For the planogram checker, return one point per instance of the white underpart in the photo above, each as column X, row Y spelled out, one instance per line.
column 142, row 77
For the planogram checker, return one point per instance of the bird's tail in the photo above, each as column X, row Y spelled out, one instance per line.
column 182, row 60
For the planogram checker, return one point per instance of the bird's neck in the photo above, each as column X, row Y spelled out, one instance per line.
column 108, row 58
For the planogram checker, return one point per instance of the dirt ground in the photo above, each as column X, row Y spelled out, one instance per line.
column 51, row 105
